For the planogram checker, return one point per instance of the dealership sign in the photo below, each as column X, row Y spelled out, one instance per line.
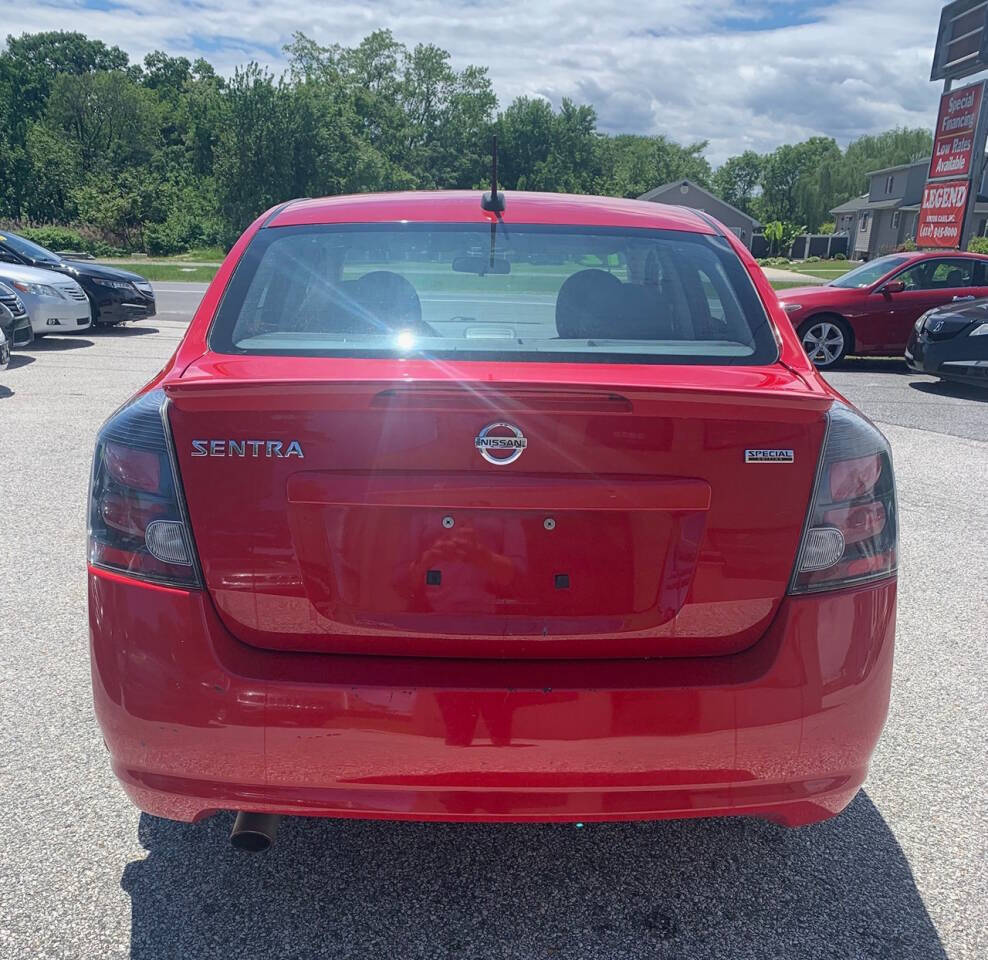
column 941, row 217
column 957, row 122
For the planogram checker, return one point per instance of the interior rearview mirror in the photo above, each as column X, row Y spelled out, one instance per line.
column 481, row 265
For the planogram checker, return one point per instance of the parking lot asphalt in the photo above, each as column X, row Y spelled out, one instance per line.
column 903, row 873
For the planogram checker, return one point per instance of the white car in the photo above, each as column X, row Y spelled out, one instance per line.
column 54, row 301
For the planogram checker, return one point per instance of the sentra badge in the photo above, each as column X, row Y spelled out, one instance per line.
column 255, row 449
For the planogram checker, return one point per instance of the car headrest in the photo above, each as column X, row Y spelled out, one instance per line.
column 586, row 304
column 955, row 278
column 383, row 302
column 595, row 304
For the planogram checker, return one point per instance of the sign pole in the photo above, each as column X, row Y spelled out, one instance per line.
column 977, row 173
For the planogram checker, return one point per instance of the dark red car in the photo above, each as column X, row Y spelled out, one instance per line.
column 439, row 513
column 871, row 310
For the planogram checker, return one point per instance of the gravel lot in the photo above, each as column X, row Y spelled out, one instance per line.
column 903, row 873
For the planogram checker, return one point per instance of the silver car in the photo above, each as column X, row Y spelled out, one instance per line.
column 54, row 301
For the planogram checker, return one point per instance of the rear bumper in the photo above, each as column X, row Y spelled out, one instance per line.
column 197, row 722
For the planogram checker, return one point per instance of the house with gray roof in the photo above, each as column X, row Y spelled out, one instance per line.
column 885, row 217
column 686, row 193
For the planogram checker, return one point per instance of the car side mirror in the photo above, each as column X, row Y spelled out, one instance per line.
column 893, row 286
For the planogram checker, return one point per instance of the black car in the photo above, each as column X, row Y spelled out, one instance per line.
column 951, row 342
column 116, row 295
column 14, row 320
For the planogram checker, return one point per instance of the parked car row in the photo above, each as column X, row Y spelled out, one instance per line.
column 43, row 293
column 930, row 307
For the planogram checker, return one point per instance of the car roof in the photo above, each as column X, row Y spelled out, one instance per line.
column 463, row 206
column 939, row 254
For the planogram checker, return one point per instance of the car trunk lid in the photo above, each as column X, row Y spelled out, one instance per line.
column 347, row 507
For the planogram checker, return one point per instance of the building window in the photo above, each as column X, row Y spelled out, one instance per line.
column 895, row 219
column 889, row 184
column 863, row 221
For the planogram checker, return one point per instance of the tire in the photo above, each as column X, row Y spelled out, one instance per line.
column 96, row 324
column 827, row 339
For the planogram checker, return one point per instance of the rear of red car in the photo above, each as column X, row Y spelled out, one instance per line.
column 441, row 514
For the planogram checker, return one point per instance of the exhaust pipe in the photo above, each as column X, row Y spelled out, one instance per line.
column 254, row 832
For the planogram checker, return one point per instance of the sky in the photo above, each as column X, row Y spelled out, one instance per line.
column 742, row 74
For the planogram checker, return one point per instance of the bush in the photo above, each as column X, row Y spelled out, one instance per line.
column 180, row 232
column 840, row 256
column 812, row 260
column 78, row 237
column 907, row 246
column 978, row 245
column 57, row 238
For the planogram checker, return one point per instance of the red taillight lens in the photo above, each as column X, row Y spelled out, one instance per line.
column 137, row 469
column 858, row 521
column 137, row 522
column 854, row 478
column 851, row 535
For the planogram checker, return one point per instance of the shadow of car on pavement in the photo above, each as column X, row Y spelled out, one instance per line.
column 121, row 330
column 895, row 365
column 19, row 359
column 949, row 388
column 50, row 344
column 669, row 889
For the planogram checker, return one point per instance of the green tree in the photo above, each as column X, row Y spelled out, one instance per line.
column 737, row 179
column 29, row 65
column 253, row 161
column 524, row 135
column 449, row 117
column 113, row 120
column 635, row 164
column 55, row 172
column 790, row 180
column 573, row 164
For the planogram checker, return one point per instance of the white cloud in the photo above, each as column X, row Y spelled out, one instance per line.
column 678, row 67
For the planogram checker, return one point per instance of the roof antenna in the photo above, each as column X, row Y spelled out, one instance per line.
column 493, row 201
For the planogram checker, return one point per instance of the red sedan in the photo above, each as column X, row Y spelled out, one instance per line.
column 441, row 513
column 871, row 310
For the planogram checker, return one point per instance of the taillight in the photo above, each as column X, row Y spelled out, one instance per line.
column 851, row 534
column 137, row 519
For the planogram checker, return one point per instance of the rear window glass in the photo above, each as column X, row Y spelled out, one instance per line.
column 518, row 292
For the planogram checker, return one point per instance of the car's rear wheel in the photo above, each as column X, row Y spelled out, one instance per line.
column 826, row 340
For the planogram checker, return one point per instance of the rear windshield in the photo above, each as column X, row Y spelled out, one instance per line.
column 515, row 292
